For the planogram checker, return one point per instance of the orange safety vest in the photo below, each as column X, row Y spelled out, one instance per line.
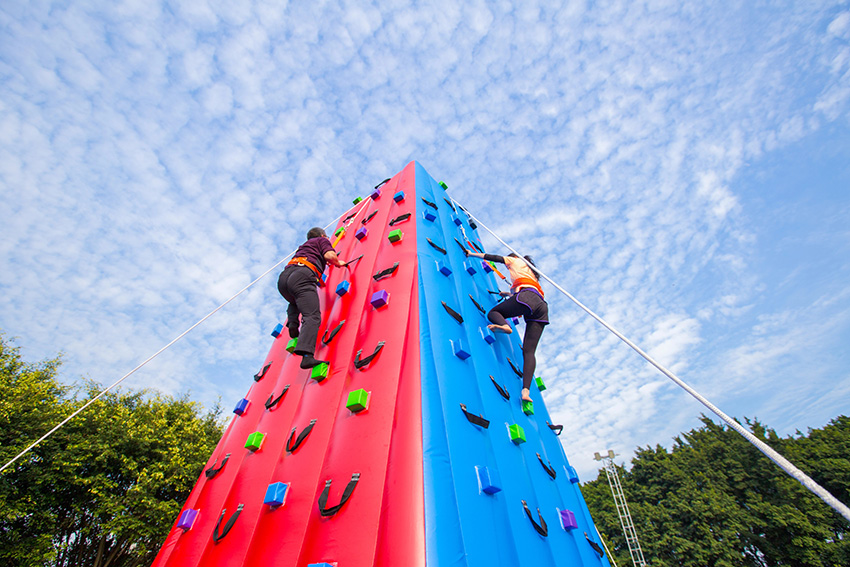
column 301, row 261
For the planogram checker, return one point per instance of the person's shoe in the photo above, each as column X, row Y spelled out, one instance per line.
column 293, row 332
column 526, row 395
column 501, row 329
column 307, row 361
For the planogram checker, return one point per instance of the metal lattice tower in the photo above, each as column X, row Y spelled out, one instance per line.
column 622, row 508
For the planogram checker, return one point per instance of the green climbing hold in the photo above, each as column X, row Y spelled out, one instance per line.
column 540, row 385
column 443, row 185
column 357, row 400
column 357, row 200
column 528, row 407
column 290, row 346
column 320, row 372
column 255, row 441
column 395, row 236
column 339, row 231
column 517, row 434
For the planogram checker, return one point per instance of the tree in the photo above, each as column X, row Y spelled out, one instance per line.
column 104, row 490
column 715, row 500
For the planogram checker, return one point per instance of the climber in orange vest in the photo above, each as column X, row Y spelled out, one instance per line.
column 525, row 299
column 297, row 284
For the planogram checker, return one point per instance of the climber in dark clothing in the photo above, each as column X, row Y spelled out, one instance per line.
column 526, row 299
column 297, row 284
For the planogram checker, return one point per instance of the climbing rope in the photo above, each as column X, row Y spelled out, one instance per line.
column 163, row 349
column 768, row 451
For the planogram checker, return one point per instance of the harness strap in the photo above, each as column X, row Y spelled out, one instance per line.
column 521, row 282
column 301, row 261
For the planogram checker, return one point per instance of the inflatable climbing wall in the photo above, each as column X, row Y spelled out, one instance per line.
column 411, row 447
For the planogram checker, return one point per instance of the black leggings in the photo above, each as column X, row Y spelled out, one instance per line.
column 297, row 285
column 511, row 307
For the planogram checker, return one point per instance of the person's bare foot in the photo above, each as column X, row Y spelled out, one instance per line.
column 501, row 329
column 526, row 395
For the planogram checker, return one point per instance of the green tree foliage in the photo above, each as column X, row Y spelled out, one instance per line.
column 716, row 500
column 104, row 490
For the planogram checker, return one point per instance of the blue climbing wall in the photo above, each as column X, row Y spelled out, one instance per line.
column 468, row 520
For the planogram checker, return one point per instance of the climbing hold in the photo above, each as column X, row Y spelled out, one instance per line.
column 276, row 494
column 357, row 200
column 400, row 218
column 375, row 194
column 556, row 428
column 395, row 236
column 343, row 287
column 527, row 407
column 380, row 298
column 456, row 220
column 439, row 249
column 429, row 216
column 572, row 474
column 540, row 385
column 290, row 346
column 241, row 406
column 361, row 233
column 323, row 280
column 277, row 330
column 516, row 370
column 398, row 197
column 550, row 470
column 449, row 203
column 385, row 273
column 486, row 481
column 540, row 528
column 477, row 305
column 212, row 471
column 329, row 335
column 367, row 219
column 517, row 434
column 470, row 269
column 443, row 185
column 218, row 536
column 459, row 349
column 320, row 372
column 187, row 519
column 502, row 391
column 486, row 266
column 360, row 363
column 339, row 231
column 259, row 375
column 293, row 443
column 455, row 315
column 475, row 419
column 568, row 520
column 515, row 320
column 255, row 441
column 429, row 203
column 272, row 401
column 358, row 400
column 487, row 335
column 443, row 269
column 326, row 511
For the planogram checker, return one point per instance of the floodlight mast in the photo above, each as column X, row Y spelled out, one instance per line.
column 622, row 508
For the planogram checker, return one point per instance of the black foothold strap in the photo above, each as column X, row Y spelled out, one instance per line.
column 477, row 305
column 360, row 363
column 217, row 537
column 594, row 545
column 290, row 446
column 548, row 468
column 429, row 203
column 450, row 204
column 346, row 494
column 272, row 401
column 462, row 247
column 385, row 273
column 211, row 472
column 326, row 339
column 349, row 217
column 367, row 219
column 457, row 316
column 541, row 528
column 259, row 375
column 382, row 182
column 475, row 419
column 556, row 428
column 505, row 394
column 514, row 368
column 474, row 245
column 435, row 246
column 400, row 218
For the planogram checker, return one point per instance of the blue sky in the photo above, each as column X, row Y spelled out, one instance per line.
column 683, row 169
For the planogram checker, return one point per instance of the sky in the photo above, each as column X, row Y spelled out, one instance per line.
column 682, row 168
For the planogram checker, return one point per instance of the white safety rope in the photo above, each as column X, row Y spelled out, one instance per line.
column 771, row 454
column 163, row 349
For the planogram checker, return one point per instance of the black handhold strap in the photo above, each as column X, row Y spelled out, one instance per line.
column 541, row 528
column 556, row 428
column 450, row 204
column 217, row 537
column 475, row 419
column 272, row 401
column 505, row 394
column 400, row 218
column 211, row 472
column 474, row 245
column 429, row 203
column 367, row 219
column 301, row 437
column 594, row 545
column 360, row 363
column 457, row 316
column 436, row 247
column 384, row 273
column 349, row 217
column 326, row 339
column 514, row 368
column 462, row 247
column 548, row 468
column 346, row 494
column 382, row 182
column 259, row 375
column 477, row 305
